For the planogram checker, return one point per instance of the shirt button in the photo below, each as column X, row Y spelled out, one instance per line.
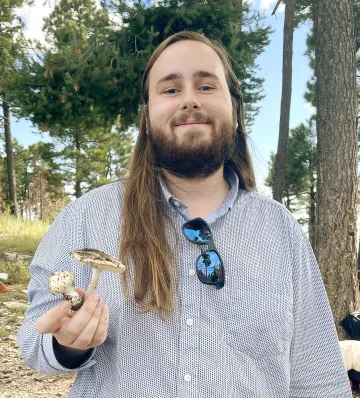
column 192, row 272
column 176, row 203
column 187, row 377
column 190, row 322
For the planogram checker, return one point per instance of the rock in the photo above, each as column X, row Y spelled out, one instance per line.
column 8, row 327
column 5, row 314
column 24, row 257
column 3, row 276
column 24, row 291
column 10, row 256
column 14, row 304
column 16, row 257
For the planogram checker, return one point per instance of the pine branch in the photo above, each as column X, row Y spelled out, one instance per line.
column 276, row 7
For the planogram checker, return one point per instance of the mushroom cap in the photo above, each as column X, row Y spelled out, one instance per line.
column 99, row 260
column 60, row 281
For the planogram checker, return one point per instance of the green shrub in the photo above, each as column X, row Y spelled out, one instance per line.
column 18, row 271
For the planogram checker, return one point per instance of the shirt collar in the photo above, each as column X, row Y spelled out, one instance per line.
column 229, row 174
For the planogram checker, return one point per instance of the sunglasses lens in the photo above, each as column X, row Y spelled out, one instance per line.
column 197, row 231
column 209, row 267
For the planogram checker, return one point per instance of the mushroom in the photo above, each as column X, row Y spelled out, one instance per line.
column 61, row 282
column 98, row 261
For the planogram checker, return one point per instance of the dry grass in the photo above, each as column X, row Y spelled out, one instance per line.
column 4, row 333
column 21, row 236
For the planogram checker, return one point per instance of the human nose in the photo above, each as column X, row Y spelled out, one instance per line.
column 189, row 102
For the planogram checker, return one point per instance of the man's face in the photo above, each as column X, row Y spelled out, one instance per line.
column 191, row 123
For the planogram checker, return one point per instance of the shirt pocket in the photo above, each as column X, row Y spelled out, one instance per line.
column 260, row 318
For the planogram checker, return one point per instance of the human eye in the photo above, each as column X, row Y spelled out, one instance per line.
column 170, row 91
column 207, row 88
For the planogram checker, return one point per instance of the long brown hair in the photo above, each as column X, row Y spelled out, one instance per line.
column 144, row 236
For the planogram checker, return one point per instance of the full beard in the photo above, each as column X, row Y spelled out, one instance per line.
column 195, row 156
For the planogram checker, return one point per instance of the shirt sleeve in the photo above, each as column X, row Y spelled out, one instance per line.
column 37, row 350
column 317, row 369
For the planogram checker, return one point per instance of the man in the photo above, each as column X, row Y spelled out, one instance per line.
column 222, row 296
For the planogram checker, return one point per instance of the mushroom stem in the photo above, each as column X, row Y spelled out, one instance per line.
column 94, row 282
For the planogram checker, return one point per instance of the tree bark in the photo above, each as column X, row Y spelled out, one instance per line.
column 337, row 154
column 41, row 197
column 312, row 214
column 9, row 159
column 77, row 167
column 280, row 163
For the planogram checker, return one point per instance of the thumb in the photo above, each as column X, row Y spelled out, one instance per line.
column 50, row 321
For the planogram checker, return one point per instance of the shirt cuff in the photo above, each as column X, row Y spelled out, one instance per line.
column 48, row 352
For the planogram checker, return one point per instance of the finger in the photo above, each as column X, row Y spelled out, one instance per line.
column 50, row 322
column 86, row 336
column 101, row 331
column 72, row 329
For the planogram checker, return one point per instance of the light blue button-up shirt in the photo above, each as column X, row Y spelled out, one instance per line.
column 269, row 333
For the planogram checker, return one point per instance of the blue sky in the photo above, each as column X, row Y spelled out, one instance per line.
column 264, row 135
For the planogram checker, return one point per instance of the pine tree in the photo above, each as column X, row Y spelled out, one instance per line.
column 71, row 90
column 145, row 26
column 300, row 175
column 12, row 44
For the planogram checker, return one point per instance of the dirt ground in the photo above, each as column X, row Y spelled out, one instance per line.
column 16, row 379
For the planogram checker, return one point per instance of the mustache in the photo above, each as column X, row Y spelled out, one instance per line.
column 198, row 117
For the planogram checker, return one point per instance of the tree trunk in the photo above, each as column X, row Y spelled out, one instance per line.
column 337, row 154
column 77, row 167
column 9, row 159
column 280, row 163
column 358, row 265
column 288, row 201
column 41, row 197
column 312, row 217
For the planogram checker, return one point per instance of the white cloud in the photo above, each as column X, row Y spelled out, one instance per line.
column 33, row 17
column 270, row 5
column 310, row 108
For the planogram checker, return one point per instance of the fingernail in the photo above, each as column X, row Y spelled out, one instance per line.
column 95, row 299
column 66, row 305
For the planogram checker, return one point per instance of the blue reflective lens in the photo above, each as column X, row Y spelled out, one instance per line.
column 209, row 267
column 197, row 231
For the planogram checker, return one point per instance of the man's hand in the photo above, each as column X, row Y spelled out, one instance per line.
column 80, row 330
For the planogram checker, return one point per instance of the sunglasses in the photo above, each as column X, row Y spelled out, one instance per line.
column 209, row 266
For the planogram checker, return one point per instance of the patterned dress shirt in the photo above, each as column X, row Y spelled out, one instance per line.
column 269, row 333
